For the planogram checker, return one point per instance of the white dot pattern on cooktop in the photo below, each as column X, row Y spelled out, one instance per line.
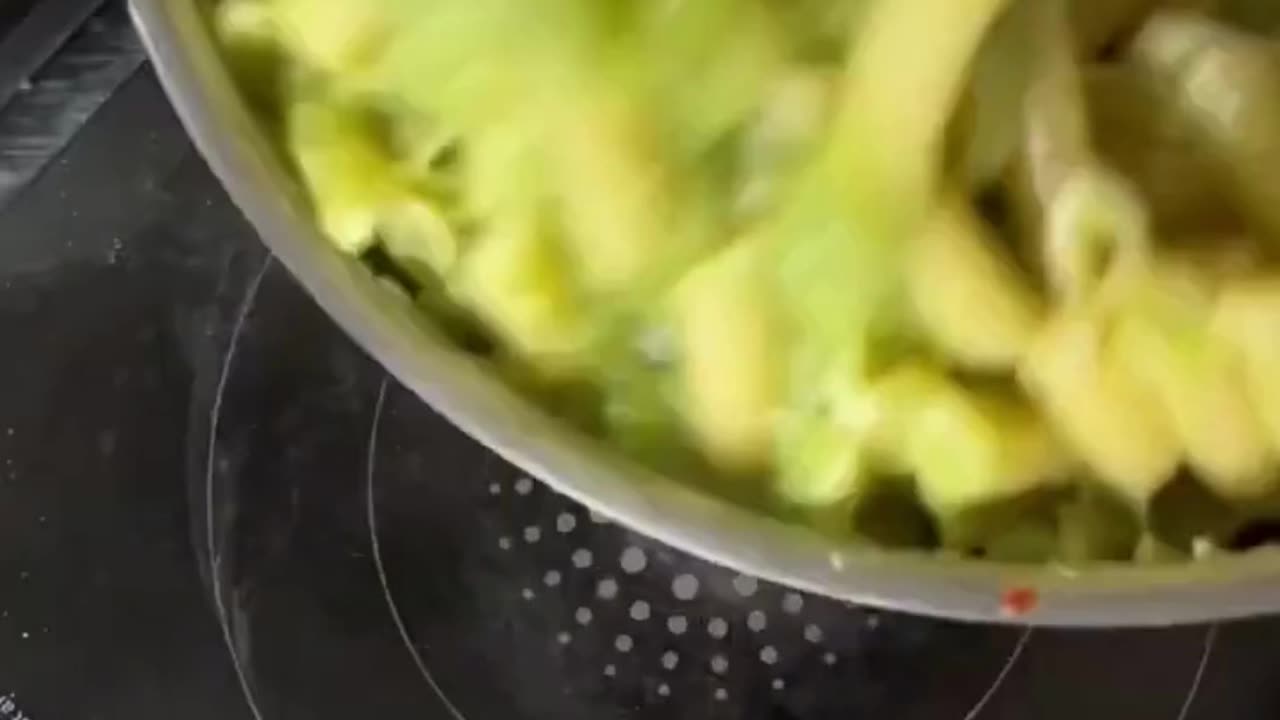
column 719, row 664
column 685, row 587
column 670, row 659
column 646, row 618
column 607, row 589
column 670, row 629
column 680, row 630
column 678, row 624
column 640, row 611
column 633, row 561
column 565, row 523
column 746, row 585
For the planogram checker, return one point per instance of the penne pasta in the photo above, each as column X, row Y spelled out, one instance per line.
column 1002, row 272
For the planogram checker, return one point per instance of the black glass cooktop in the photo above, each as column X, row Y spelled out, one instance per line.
column 212, row 505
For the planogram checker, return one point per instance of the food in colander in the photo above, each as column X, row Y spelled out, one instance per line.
column 995, row 276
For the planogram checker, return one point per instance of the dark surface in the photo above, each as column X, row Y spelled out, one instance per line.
column 213, row 506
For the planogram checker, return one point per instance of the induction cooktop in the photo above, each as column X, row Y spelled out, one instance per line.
column 213, row 505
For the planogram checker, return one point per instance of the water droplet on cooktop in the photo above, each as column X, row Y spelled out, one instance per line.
column 779, row 683
column 624, row 643
column 565, row 523
column 564, row 638
column 504, row 543
column 583, row 616
column 524, row 486
column 719, row 664
column 677, row 624
column 757, row 621
column 829, row 658
column 582, row 558
column 664, row 690
column 813, row 634
column 872, row 621
column 495, row 488
column 722, row 694
column 532, row 534
column 670, row 659
column 685, row 587
column 552, row 578
column 633, row 561
column 792, row 603
column 769, row 655
column 527, row 594
column 746, row 585
column 610, row 670
column 607, row 589
column 718, row 628
column 640, row 611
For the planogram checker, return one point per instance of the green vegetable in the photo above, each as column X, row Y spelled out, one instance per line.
column 979, row 275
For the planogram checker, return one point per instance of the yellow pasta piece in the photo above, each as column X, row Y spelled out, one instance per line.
column 1090, row 223
column 246, row 22
column 516, row 280
column 1164, row 340
column 1248, row 318
column 349, row 177
column 965, row 447
column 414, row 231
column 731, row 358
column 341, row 39
column 1098, row 236
column 893, row 403
column 970, row 300
column 821, row 462
column 1057, row 134
column 1102, row 412
column 613, row 189
column 896, row 105
column 986, row 130
column 1228, row 83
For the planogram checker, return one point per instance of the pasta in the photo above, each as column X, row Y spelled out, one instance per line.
column 1008, row 263
column 971, row 302
column 732, row 377
column 1163, row 339
column 1225, row 81
column 1247, row 318
column 1100, row 409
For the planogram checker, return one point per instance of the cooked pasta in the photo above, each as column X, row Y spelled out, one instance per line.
column 971, row 302
column 1011, row 259
column 1225, row 81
